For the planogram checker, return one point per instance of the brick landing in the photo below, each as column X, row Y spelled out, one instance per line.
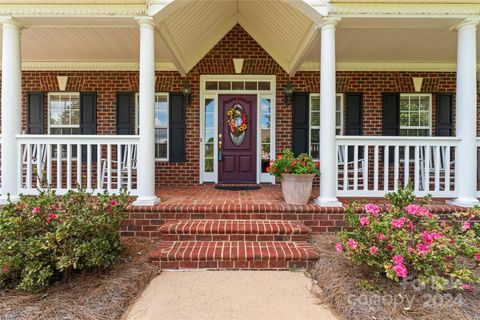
column 206, row 202
column 276, row 252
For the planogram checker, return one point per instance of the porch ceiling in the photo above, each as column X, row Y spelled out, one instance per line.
column 188, row 30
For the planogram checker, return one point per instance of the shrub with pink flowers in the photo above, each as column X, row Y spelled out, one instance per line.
column 48, row 237
column 405, row 240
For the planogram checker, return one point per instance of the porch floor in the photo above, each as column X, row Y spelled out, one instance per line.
column 205, row 198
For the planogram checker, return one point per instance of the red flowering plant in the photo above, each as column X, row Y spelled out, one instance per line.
column 47, row 237
column 405, row 240
column 289, row 164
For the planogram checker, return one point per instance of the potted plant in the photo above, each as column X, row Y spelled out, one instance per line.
column 296, row 174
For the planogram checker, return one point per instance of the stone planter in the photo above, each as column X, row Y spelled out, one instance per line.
column 297, row 188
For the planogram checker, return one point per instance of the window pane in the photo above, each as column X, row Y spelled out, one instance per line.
column 208, row 165
column 209, row 150
column 209, row 136
column 161, row 110
column 265, row 120
column 315, row 104
column 315, row 119
column 211, row 85
column 263, row 85
column 237, row 85
column 266, row 106
column 315, row 136
column 160, row 150
column 265, row 135
column 209, row 106
column 250, row 85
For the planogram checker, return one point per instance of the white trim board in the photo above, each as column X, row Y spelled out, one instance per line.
column 387, row 66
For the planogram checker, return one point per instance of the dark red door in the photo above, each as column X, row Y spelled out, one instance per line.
column 237, row 127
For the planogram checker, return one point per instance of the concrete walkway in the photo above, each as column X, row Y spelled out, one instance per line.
column 229, row 295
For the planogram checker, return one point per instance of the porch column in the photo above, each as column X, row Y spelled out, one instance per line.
column 146, row 144
column 328, row 152
column 466, row 115
column 11, row 107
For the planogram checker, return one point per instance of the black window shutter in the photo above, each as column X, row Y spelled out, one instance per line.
column 177, row 127
column 125, row 113
column 354, row 114
column 300, row 121
column 35, row 113
column 88, row 119
column 444, row 114
column 391, row 114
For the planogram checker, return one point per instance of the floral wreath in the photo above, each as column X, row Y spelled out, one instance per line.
column 235, row 113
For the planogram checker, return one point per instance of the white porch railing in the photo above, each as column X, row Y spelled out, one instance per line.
column 370, row 166
column 95, row 162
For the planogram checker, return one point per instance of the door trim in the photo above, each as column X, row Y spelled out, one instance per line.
column 213, row 94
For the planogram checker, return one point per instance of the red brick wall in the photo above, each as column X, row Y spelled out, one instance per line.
column 236, row 44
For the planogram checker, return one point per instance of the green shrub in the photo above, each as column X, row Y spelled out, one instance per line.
column 46, row 238
column 405, row 240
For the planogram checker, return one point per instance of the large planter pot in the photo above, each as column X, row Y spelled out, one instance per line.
column 297, row 188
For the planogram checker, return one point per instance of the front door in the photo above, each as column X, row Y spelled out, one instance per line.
column 237, row 139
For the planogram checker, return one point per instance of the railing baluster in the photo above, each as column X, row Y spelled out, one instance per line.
column 69, row 166
column 89, row 167
column 355, row 167
column 129, row 166
column 79, row 164
column 447, row 168
column 59, row 166
column 437, row 165
column 49, row 163
column 345, row 167
column 396, row 167
column 365, row 167
column 427, row 168
column 406, row 166
column 416, row 169
column 39, row 175
column 119, row 166
column 29, row 166
column 99, row 168
column 109, row 166
column 375, row 168
column 386, row 163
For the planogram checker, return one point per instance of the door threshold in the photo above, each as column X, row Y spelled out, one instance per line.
column 237, row 186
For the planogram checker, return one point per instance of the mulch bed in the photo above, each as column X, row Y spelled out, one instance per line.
column 353, row 293
column 91, row 295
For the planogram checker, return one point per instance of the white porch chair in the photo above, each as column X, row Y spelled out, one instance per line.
column 350, row 165
column 121, row 165
column 443, row 163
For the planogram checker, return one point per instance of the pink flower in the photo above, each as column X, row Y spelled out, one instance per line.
column 338, row 247
column 381, row 237
column 477, row 257
column 410, row 249
column 372, row 209
column 467, row 287
column 113, row 203
column 398, row 259
column 389, row 247
column 400, row 270
column 352, row 244
column 36, row 210
column 373, row 250
column 417, row 210
column 51, row 216
column 410, row 225
column 398, row 223
column 423, row 248
column 427, row 237
column 466, row 225
column 364, row 221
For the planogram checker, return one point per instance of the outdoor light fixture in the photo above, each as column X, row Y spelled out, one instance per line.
column 187, row 92
column 288, row 93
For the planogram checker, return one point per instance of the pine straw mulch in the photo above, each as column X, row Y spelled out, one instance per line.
column 354, row 294
column 99, row 295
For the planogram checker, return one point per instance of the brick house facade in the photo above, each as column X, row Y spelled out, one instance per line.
column 236, row 44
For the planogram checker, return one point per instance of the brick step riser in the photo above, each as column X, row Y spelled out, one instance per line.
column 233, row 237
column 234, row 265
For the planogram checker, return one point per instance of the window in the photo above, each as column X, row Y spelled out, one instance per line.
column 209, row 134
column 161, row 124
column 315, row 122
column 64, row 113
column 266, row 126
column 415, row 114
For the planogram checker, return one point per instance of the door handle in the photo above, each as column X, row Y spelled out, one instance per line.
column 220, row 147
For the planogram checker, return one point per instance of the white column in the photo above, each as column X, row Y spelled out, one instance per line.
column 328, row 152
column 146, row 145
column 466, row 115
column 11, row 107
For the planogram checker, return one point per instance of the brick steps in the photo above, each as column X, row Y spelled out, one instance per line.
column 268, row 255
column 234, row 230
column 233, row 244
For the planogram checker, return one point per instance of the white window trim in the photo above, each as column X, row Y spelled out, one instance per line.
column 49, row 96
column 137, row 119
column 429, row 127
column 310, row 127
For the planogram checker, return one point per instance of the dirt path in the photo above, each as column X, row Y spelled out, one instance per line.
column 229, row 295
